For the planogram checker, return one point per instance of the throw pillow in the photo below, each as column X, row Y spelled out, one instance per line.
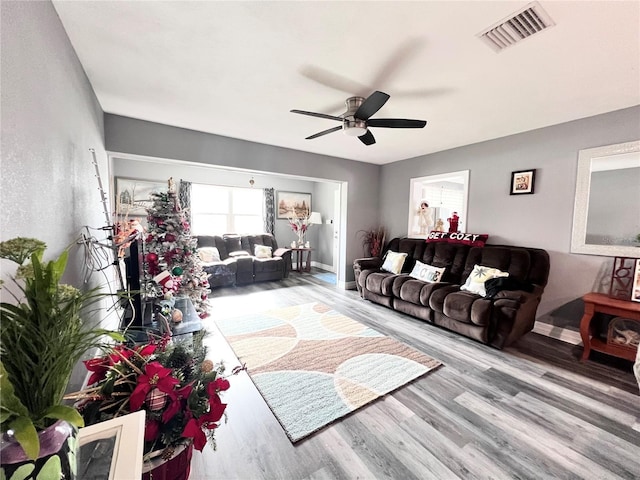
column 209, row 254
column 239, row 253
column 479, row 275
column 393, row 262
column 426, row 273
column 262, row 251
column 471, row 239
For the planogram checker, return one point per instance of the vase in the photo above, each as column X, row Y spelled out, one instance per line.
column 178, row 467
column 300, row 239
column 57, row 459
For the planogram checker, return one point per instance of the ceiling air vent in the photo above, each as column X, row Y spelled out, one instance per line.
column 518, row 26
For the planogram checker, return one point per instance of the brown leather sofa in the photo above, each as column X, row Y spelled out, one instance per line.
column 238, row 265
column 498, row 319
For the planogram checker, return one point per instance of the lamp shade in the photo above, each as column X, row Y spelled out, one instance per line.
column 315, row 218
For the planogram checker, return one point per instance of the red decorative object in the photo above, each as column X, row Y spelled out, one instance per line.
column 453, row 222
column 176, row 468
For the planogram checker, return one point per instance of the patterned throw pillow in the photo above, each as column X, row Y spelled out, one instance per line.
column 209, row 254
column 393, row 262
column 479, row 275
column 262, row 251
column 426, row 273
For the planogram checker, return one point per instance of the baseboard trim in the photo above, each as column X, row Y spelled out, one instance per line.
column 322, row 266
column 559, row 333
column 348, row 285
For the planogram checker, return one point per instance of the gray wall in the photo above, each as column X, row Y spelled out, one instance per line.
column 160, row 171
column 50, row 118
column 543, row 219
column 138, row 137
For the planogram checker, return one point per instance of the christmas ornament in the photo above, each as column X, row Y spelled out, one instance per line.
column 156, row 399
column 176, row 315
column 206, row 366
column 152, row 257
column 170, row 237
column 177, row 271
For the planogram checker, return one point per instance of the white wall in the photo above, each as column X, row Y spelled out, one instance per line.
column 542, row 220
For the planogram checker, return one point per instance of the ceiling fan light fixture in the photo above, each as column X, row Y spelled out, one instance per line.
column 354, row 128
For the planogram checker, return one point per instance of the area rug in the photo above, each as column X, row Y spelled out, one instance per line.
column 314, row 365
column 326, row 277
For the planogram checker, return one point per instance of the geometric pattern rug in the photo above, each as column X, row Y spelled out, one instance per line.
column 313, row 365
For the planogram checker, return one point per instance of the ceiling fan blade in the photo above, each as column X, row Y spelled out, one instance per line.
column 324, row 132
column 371, row 105
column 396, row 123
column 320, row 115
column 367, row 138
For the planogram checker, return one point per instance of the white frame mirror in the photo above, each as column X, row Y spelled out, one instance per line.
column 440, row 203
column 610, row 157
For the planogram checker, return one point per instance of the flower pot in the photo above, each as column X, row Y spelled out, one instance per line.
column 57, row 459
column 178, row 467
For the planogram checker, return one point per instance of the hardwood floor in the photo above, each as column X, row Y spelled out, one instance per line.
column 531, row 411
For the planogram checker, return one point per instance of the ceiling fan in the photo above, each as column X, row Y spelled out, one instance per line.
column 356, row 120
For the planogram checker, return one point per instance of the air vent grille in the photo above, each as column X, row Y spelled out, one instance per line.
column 515, row 28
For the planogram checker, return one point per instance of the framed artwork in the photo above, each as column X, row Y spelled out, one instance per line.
column 293, row 204
column 112, row 449
column 635, row 291
column 133, row 196
column 522, row 182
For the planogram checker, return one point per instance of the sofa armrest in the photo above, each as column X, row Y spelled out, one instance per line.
column 519, row 296
column 368, row 263
column 285, row 254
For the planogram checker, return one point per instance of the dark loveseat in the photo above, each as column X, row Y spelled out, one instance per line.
column 238, row 263
column 498, row 319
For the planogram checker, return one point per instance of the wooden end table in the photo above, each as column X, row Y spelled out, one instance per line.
column 599, row 302
column 300, row 265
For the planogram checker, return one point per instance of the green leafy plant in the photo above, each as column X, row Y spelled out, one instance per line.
column 43, row 336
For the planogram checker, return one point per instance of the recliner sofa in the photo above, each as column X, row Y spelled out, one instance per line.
column 238, row 264
column 497, row 320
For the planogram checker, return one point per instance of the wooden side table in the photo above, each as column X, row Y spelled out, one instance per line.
column 300, row 265
column 599, row 302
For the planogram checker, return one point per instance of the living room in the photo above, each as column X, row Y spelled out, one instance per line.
column 52, row 117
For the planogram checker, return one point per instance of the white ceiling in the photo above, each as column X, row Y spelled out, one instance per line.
column 237, row 68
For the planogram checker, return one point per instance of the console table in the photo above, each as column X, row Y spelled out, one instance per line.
column 300, row 265
column 599, row 302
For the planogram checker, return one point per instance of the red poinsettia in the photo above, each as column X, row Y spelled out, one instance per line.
column 176, row 386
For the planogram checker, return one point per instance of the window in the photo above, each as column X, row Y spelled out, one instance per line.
column 216, row 210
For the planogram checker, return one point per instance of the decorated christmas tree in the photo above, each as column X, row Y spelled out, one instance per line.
column 172, row 266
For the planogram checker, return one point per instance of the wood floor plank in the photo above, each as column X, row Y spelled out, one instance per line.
column 532, row 411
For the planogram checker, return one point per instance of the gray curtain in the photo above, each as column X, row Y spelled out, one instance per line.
column 269, row 211
column 184, row 197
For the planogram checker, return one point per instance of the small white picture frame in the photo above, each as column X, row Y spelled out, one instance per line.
column 118, row 445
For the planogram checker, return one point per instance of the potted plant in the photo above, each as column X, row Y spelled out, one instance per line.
column 43, row 335
column 174, row 383
column 373, row 241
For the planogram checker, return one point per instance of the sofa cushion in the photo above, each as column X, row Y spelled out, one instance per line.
column 393, row 262
column 479, row 275
column 467, row 308
column 380, row 283
column 427, row 273
column 233, row 242
column 209, row 254
column 262, row 251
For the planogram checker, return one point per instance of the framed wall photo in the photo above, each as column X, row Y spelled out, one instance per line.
column 522, row 182
column 293, row 204
column 133, row 196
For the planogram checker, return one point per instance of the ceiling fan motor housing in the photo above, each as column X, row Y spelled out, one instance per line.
column 351, row 125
